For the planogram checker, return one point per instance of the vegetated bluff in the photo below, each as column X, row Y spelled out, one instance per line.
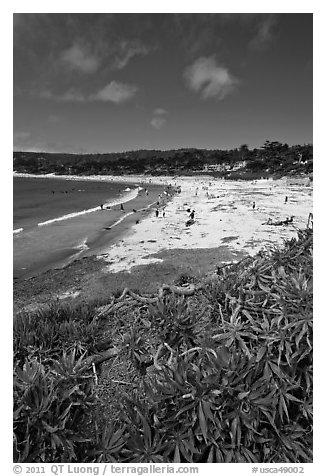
column 224, row 375
column 272, row 159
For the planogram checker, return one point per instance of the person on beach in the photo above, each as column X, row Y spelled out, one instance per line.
column 163, row 213
column 288, row 220
column 286, row 199
column 121, row 207
column 156, row 213
column 192, row 215
column 101, row 206
column 310, row 222
column 253, row 205
column 279, row 222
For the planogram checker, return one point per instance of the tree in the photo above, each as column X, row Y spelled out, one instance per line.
column 244, row 151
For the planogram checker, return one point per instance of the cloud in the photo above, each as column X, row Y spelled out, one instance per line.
column 265, row 32
column 209, row 78
column 126, row 51
column 72, row 95
column 158, row 122
column 115, row 92
column 79, row 59
column 21, row 136
column 160, row 111
column 159, row 118
column 195, row 32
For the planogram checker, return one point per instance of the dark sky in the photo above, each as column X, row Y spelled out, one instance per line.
column 114, row 82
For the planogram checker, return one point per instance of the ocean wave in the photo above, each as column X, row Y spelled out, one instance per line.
column 126, row 198
column 82, row 246
column 18, row 230
column 130, row 213
column 121, row 219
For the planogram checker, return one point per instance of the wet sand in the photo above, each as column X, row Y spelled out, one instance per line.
column 58, row 244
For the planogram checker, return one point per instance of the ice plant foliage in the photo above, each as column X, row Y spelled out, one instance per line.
column 223, row 376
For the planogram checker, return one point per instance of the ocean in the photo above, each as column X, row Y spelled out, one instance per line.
column 54, row 218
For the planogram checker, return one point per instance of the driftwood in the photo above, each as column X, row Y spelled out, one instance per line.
column 310, row 221
column 99, row 358
column 95, row 374
column 130, row 298
column 122, row 382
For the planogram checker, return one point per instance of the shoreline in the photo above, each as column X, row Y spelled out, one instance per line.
column 120, row 201
column 96, row 229
column 129, row 178
column 155, row 250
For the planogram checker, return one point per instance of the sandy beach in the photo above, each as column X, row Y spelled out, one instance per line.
column 225, row 214
column 157, row 250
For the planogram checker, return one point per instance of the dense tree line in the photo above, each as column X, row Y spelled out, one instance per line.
column 271, row 159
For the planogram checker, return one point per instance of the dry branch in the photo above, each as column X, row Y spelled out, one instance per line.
column 99, row 358
column 135, row 298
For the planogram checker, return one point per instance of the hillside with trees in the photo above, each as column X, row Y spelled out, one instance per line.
column 272, row 159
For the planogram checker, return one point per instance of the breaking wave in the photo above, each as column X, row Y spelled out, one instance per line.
column 126, row 198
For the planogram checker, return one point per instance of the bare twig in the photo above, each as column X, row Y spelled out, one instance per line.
column 134, row 298
column 95, row 374
column 156, row 356
column 142, row 298
column 195, row 349
column 99, row 358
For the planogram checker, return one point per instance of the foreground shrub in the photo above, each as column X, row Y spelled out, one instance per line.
column 47, row 331
column 245, row 393
column 223, row 376
column 51, row 408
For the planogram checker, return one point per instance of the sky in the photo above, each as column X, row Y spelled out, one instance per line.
column 116, row 82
